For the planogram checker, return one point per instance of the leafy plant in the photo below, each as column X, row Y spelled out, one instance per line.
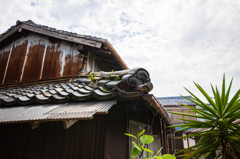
column 91, row 76
column 140, row 145
column 117, row 78
column 220, row 133
column 107, row 78
column 112, row 73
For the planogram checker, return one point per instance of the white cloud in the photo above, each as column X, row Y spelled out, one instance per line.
column 176, row 41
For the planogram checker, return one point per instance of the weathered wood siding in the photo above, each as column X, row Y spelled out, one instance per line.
column 100, row 138
column 35, row 57
column 4, row 54
column 84, row 140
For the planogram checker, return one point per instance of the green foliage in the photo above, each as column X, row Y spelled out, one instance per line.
column 107, row 78
column 146, row 139
column 140, row 145
column 91, row 76
column 112, row 73
column 221, row 133
column 115, row 77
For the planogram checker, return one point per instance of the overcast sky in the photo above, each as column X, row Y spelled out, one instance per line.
column 177, row 41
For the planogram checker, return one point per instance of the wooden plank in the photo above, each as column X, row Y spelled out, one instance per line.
column 16, row 63
column 52, row 65
column 57, row 35
column 32, row 70
column 90, row 61
column 68, row 123
column 3, row 64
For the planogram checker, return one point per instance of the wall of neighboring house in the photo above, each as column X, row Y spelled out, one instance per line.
column 181, row 143
column 33, row 57
column 181, row 109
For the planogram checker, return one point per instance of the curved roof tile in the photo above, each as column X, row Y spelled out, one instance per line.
column 108, row 85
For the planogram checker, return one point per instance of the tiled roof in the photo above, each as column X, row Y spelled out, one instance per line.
column 174, row 101
column 119, row 84
column 31, row 23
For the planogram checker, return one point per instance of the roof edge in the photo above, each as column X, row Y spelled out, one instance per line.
column 151, row 99
column 115, row 53
column 52, row 32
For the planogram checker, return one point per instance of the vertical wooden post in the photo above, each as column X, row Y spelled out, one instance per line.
column 90, row 61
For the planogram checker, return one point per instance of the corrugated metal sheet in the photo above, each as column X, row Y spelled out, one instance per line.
column 83, row 110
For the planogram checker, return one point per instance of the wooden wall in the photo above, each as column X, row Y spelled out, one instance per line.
column 102, row 137
column 84, row 140
column 181, row 109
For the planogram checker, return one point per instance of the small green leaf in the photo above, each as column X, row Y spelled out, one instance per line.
column 135, row 151
column 147, row 150
column 136, row 146
column 130, row 135
column 168, row 156
column 157, row 157
column 141, row 132
column 146, row 139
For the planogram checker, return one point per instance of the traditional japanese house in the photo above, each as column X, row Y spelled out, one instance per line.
column 65, row 95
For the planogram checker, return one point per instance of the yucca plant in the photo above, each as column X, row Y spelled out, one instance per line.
column 220, row 132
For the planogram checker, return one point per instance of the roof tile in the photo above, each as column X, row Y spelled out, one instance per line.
column 174, row 101
column 79, row 89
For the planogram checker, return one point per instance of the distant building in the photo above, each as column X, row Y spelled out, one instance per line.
column 173, row 104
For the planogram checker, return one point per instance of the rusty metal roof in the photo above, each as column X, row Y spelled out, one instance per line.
column 108, row 85
column 55, row 112
column 100, row 46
